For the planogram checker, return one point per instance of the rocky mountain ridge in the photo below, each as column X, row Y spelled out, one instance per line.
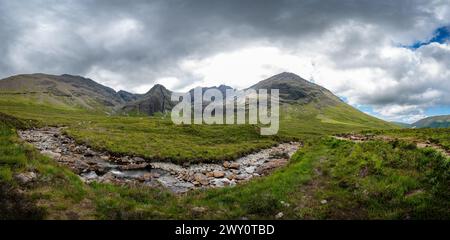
column 76, row 91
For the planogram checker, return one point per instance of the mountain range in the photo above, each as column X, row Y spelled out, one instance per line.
column 79, row 92
column 76, row 92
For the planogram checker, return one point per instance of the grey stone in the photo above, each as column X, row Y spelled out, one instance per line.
column 51, row 154
column 90, row 176
column 26, row 177
column 250, row 170
column 279, row 215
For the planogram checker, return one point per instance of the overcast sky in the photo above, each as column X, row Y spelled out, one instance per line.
column 388, row 58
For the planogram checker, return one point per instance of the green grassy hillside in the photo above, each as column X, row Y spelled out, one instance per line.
column 433, row 122
column 439, row 136
column 65, row 91
column 311, row 120
column 326, row 179
column 158, row 138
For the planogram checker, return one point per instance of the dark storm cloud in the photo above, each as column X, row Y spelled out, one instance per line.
column 173, row 29
column 131, row 43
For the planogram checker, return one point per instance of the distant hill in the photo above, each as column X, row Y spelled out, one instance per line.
column 63, row 91
column 402, row 124
column 433, row 122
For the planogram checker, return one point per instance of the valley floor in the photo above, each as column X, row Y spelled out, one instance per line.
column 327, row 178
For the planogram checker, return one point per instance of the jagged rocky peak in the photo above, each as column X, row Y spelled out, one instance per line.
column 157, row 99
column 128, row 97
column 157, row 87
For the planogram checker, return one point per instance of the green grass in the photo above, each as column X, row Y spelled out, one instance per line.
column 57, row 189
column 157, row 138
column 15, row 158
column 309, row 120
column 150, row 137
column 440, row 136
column 371, row 180
column 379, row 180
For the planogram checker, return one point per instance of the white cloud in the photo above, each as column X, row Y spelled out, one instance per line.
column 402, row 113
column 245, row 67
column 106, row 77
column 399, row 83
column 113, row 35
column 354, row 50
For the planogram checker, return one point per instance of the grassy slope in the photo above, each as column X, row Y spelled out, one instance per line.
column 433, row 122
column 368, row 180
column 375, row 180
column 160, row 139
column 151, row 137
column 439, row 136
column 57, row 185
column 157, row 138
column 64, row 92
column 309, row 120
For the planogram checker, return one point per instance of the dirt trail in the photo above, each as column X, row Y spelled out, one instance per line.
column 419, row 143
column 93, row 165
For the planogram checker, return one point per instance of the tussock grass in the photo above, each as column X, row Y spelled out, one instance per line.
column 440, row 136
column 370, row 180
column 157, row 138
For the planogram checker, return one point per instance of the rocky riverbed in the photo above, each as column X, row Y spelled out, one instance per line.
column 98, row 166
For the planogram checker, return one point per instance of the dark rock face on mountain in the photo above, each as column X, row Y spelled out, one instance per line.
column 158, row 100
column 155, row 100
column 294, row 89
column 433, row 122
column 128, row 97
column 87, row 86
column 222, row 88
column 65, row 90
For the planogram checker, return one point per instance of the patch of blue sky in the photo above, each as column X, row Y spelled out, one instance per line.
column 343, row 99
column 363, row 108
column 438, row 110
column 440, row 35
